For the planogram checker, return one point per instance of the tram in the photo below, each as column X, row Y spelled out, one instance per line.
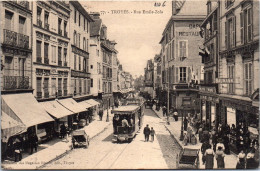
column 128, row 120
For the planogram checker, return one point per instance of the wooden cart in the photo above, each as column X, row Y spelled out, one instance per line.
column 188, row 159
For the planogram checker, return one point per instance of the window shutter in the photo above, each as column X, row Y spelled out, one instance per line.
column 177, row 75
column 189, row 74
column 226, row 30
column 242, row 27
column 173, row 56
column 184, row 49
column 234, row 31
column 250, row 28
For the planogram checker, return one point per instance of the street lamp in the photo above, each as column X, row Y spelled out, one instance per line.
column 107, row 112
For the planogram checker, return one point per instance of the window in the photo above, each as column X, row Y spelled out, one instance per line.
column 79, row 19
column 91, row 83
column 39, row 85
column 209, row 7
column 8, row 20
column 53, row 86
column 65, row 55
column 80, row 86
column 39, row 13
column 173, row 57
column 248, row 78
column 84, row 24
column 183, row 49
column 65, row 29
column 230, row 33
column 53, row 53
column 22, row 25
column 59, row 85
column 75, row 38
column 46, row 85
column 183, row 75
column 9, row 66
column 75, row 16
column 46, row 20
column 91, row 66
column 38, row 48
column 84, row 43
column 65, row 84
column 229, row 3
column 59, row 55
column 85, row 85
column 230, row 72
column 59, row 26
column 87, row 46
column 87, row 26
column 79, row 64
column 246, row 25
column 46, row 50
column 78, row 40
column 75, row 62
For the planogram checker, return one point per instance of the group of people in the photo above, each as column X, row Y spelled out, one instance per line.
column 148, row 132
column 124, row 122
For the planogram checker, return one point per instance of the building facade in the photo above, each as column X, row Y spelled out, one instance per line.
column 182, row 64
column 50, row 54
column 239, row 64
column 149, row 78
column 79, row 54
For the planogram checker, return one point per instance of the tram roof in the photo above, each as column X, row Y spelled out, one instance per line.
column 126, row 109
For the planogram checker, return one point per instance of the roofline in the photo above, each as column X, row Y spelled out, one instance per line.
column 208, row 16
column 82, row 10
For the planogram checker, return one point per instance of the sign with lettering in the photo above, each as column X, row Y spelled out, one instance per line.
column 192, row 33
column 208, row 89
column 224, row 80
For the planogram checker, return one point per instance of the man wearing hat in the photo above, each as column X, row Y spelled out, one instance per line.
column 147, row 133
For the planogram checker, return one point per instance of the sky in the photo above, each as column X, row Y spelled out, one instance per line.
column 137, row 35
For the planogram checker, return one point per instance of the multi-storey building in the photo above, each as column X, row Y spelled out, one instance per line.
column 209, row 99
column 149, row 78
column 79, row 54
column 18, row 104
column 95, row 59
column 50, row 54
column 158, row 77
column 107, row 49
column 239, row 63
column 182, row 64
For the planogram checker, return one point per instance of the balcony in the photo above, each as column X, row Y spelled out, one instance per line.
column 39, row 22
column 39, row 59
column 46, row 94
column 47, row 26
column 23, row 41
column 10, row 37
column 60, row 32
column 59, row 93
column 16, row 82
column 65, row 34
column 46, row 60
column 65, row 63
column 60, row 63
column 39, row 95
column 65, row 92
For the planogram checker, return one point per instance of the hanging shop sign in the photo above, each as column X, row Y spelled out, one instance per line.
column 224, row 80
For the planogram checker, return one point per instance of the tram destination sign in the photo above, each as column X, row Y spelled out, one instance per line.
column 224, row 80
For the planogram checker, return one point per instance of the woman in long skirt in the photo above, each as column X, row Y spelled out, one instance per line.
column 220, row 158
column 209, row 155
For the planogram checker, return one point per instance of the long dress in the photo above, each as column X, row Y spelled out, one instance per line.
column 220, row 159
column 209, row 155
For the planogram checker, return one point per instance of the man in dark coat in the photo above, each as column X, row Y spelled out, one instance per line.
column 33, row 143
column 147, row 133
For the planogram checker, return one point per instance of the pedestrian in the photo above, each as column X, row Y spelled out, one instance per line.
column 226, row 144
column 164, row 110
column 214, row 138
column 200, row 132
column 146, row 133
column 189, row 133
column 185, row 123
column 67, row 131
column 205, row 135
column 209, row 156
column 220, row 158
column 100, row 113
column 203, row 149
column 34, row 142
column 152, row 132
column 241, row 160
column 62, row 130
column 17, row 149
column 220, row 144
column 175, row 115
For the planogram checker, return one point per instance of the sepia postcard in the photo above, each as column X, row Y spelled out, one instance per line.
column 129, row 84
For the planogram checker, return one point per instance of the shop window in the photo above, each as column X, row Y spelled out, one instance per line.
column 248, row 78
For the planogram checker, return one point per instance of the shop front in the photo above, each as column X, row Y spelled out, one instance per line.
column 242, row 117
column 209, row 106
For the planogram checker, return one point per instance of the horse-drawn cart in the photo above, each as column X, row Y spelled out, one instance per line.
column 188, row 159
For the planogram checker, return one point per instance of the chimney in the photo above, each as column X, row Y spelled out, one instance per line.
column 174, row 8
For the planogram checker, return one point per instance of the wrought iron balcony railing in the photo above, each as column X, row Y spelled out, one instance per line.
column 47, row 26
column 16, row 82
column 39, row 94
column 46, row 60
column 39, row 59
column 23, row 41
column 10, row 37
column 39, row 22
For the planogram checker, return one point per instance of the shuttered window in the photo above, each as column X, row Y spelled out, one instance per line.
column 46, row 85
column 38, row 48
column 177, row 75
column 183, row 49
column 242, row 27
column 65, row 83
column 59, row 83
column 248, row 78
column 183, row 74
column 46, row 50
column 231, row 87
column 39, row 84
column 53, row 86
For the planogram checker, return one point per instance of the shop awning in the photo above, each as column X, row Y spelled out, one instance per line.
column 10, row 126
column 26, row 108
column 85, row 104
column 92, row 102
column 56, row 109
column 72, row 105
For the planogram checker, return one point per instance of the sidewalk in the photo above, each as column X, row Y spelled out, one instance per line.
column 57, row 150
column 175, row 130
